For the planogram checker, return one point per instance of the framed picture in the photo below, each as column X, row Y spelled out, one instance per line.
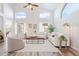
column 30, row 25
column 34, row 26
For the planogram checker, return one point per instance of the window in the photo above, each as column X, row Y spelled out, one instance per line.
column 20, row 28
column 44, row 15
column 20, row 15
column 43, row 27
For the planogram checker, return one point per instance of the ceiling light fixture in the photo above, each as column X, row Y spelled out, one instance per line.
column 31, row 6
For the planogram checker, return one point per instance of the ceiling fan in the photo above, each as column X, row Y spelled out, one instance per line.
column 31, row 6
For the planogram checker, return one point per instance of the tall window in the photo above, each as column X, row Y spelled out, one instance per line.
column 20, row 28
column 41, row 28
column 20, row 15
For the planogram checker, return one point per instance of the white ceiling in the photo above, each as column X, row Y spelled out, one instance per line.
column 45, row 6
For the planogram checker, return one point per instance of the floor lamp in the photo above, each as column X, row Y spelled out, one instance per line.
column 67, row 25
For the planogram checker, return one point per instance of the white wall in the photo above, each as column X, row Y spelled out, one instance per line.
column 8, row 17
column 0, row 8
column 8, row 12
column 57, row 18
column 74, row 20
column 1, row 23
column 1, row 18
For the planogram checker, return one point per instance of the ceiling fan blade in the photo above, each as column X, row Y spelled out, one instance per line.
column 29, row 3
column 35, row 5
column 25, row 6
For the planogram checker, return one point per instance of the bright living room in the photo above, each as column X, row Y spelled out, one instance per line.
column 31, row 26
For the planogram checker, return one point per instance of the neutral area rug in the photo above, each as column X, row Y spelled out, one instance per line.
column 46, row 49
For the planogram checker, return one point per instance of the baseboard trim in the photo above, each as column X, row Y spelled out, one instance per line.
column 62, row 46
column 75, row 49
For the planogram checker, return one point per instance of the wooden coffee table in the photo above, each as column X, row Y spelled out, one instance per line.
column 35, row 39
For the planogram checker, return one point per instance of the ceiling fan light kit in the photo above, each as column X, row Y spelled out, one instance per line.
column 31, row 6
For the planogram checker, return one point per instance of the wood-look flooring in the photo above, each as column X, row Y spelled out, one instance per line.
column 65, row 51
column 69, row 52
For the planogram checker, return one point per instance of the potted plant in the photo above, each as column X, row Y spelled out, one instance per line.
column 62, row 38
column 50, row 28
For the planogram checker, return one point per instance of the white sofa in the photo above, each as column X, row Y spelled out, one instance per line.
column 15, row 44
column 54, row 38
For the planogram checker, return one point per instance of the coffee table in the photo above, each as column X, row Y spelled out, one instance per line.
column 35, row 40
